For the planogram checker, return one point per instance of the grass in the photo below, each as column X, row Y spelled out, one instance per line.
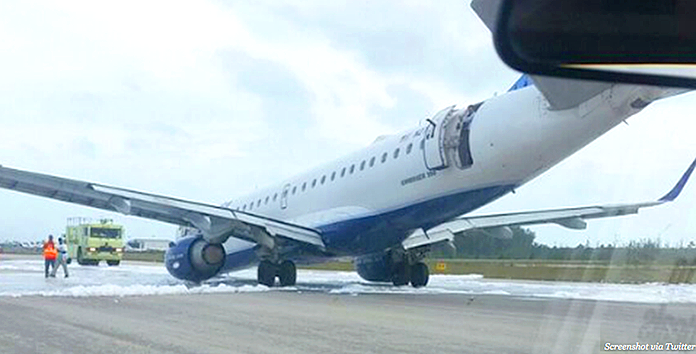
column 550, row 270
column 145, row 256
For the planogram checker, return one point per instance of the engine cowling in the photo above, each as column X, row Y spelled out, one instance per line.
column 375, row 267
column 194, row 259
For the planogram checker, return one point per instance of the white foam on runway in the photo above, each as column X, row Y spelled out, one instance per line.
column 24, row 277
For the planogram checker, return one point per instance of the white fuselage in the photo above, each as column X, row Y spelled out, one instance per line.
column 512, row 139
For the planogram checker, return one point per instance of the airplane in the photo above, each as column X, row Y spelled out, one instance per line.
column 387, row 204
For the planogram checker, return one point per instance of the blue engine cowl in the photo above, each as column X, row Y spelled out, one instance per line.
column 375, row 267
column 194, row 259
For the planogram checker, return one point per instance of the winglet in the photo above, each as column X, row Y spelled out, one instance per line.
column 674, row 193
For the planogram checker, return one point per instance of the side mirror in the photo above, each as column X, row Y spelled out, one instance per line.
column 643, row 41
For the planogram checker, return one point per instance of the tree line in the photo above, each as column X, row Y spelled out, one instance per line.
column 478, row 244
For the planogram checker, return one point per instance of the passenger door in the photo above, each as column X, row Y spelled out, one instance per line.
column 433, row 142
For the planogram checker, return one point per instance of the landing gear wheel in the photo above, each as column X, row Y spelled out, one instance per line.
column 287, row 273
column 113, row 263
column 419, row 275
column 266, row 273
column 400, row 274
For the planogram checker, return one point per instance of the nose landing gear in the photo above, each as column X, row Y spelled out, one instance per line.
column 285, row 271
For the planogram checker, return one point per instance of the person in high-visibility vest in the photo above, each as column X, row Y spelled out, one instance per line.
column 50, row 254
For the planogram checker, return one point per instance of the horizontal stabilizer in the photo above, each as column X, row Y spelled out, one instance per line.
column 568, row 93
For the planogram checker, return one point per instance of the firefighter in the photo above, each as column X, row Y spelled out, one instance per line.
column 50, row 254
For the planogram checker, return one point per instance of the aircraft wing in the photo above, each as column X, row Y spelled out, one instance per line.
column 573, row 218
column 217, row 223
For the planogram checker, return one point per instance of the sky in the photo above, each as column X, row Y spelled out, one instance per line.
column 209, row 100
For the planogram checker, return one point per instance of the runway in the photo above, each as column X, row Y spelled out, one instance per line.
column 138, row 308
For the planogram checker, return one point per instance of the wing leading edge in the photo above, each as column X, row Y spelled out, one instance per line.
column 216, row 223
column 573, row 218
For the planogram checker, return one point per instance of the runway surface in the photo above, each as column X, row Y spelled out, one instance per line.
column 139, row 308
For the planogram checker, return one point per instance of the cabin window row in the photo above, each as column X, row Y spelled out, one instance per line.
column 349, row 170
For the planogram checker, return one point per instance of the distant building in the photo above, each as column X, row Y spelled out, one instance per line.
column 147, row 244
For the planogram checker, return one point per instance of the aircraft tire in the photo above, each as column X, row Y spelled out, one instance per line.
column 400, row 275
column 419, row 275
column 113, row 263
column 266, row 273
column 287, row 273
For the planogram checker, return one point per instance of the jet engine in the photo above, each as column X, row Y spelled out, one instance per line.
column 194, row 259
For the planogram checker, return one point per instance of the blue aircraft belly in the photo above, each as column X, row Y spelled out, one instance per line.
column 375, row 233
column 378, row 232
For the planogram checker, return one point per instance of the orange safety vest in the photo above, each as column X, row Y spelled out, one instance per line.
column 49, row 251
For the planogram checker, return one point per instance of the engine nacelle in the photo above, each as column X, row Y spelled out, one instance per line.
column 194, row 259
column 375, row 267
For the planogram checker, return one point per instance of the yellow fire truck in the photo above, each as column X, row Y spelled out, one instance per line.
column 91, row 242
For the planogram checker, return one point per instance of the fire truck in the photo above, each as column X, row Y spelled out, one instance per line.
column 92, row 242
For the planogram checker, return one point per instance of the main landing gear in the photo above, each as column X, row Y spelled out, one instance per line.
column 417, row 274
column 268, row 271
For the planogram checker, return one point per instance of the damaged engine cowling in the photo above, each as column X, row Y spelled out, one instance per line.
column 375, row 267
column 194, row 259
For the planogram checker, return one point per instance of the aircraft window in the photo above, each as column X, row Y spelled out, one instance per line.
column 396, row 153
column 275, row 196
column 258, row 203
column 314, row 183
column 323, row 178
column 343, row 172
column 352, row 168
column 333, row 175
column 251, row 205
column 408, row 148
column 244, row 207
column 304, row 186
column 418, row 133
column 372, row 161
column 362, row 165
column 384, row 157
column 422, row 144
column 267, row 198
column 294, row 189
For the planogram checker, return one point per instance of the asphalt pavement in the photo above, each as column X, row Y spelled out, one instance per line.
column 316, row 322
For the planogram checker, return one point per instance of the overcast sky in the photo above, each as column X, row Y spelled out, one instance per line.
column 208, row 100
